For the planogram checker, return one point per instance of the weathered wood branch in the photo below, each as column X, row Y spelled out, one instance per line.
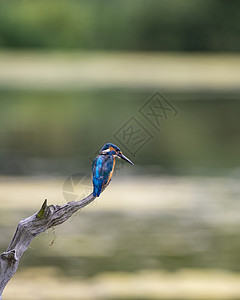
column 29, row 228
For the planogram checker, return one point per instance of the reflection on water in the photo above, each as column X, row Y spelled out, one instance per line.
column 108, row 248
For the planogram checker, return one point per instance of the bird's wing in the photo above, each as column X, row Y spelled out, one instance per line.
column 101, row 168
column 107, row 169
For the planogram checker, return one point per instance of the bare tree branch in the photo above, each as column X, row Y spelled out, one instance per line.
column 31, row 227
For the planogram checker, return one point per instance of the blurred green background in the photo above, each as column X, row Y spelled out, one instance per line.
column 72, row 73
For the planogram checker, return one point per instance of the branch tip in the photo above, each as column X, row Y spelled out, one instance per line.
column 42, row 212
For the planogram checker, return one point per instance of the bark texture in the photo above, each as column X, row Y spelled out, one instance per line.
column 29, row 228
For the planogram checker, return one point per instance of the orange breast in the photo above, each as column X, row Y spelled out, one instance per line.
column 110, row 174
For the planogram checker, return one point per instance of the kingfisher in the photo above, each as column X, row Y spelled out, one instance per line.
column 103, row 166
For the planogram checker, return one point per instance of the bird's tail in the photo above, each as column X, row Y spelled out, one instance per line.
column 97, row 188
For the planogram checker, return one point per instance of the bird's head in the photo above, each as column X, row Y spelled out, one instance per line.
column 112, row 149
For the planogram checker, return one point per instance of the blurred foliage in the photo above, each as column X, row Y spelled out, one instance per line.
column 176, row 25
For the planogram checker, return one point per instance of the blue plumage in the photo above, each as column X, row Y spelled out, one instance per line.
column 103, row 166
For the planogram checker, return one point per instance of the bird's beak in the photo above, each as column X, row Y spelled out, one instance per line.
column 125, row 158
